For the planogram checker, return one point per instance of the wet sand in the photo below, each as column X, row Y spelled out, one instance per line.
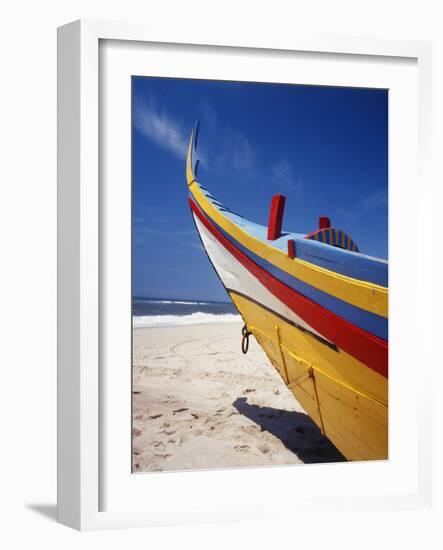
column 199, row 403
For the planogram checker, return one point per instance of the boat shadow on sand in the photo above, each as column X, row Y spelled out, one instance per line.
column 296, row 431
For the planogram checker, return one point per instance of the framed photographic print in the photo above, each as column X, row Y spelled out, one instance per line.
column 231, row 216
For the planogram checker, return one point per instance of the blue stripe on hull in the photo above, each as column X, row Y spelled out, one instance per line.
column 352, row 264
column 375, row 324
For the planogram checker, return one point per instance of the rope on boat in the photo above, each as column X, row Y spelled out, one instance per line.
column 282, row 355
column 245, row 339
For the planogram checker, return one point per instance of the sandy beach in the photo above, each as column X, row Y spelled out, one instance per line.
column 199, row 403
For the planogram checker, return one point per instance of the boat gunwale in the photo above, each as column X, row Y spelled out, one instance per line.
column 283, row 262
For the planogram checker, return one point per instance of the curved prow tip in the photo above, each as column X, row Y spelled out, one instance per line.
column 191, row 160
column 195, row 160
column 195, row 133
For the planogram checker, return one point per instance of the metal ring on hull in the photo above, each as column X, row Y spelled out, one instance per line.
column 245, row 339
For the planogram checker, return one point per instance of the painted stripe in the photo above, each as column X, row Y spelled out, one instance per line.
column 354, row 266
column 339, row 365
column 234, row 276
column 365, row 347
column 375, row 324
column 333, row 237
column 365, row 295
column 283, row 318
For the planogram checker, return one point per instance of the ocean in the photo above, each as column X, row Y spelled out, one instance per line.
column 154, row 312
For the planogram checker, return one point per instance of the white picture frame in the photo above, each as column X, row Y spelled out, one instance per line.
column 80, row 411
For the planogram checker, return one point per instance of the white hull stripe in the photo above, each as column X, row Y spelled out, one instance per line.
column 237, row 278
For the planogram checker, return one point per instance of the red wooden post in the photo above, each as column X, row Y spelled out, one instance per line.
column 276, row 217
column 324, row 222
column 291, row 248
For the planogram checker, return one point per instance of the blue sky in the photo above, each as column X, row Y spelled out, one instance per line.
column 324, row 148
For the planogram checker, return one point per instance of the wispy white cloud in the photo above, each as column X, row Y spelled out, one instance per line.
column 197, row 245
column 159, row 127
column 283, row 177
column 209, row 117
column 351, row 217
column 282, row 174
column 164, row 233
column 243, row 154
column 376, row 200
column 231, row 152
column 149, row 229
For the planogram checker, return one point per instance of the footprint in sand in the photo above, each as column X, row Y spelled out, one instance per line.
column 252, row 430
column 183, row 409
column 241, row 448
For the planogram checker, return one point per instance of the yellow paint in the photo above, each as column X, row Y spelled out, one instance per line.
column 189, row 170
column 346, row 399
column 365, row 295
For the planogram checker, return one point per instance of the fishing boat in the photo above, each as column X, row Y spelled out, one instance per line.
column 316, row 305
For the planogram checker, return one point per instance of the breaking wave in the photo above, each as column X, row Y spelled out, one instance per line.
column 196, row 318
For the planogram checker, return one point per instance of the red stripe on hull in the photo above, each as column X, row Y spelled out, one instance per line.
column 362, row 345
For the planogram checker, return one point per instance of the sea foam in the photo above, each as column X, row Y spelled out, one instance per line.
column 182, row 302
column 196, row 318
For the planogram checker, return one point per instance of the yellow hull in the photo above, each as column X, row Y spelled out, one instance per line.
column 346, row 399
column 304, row 314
